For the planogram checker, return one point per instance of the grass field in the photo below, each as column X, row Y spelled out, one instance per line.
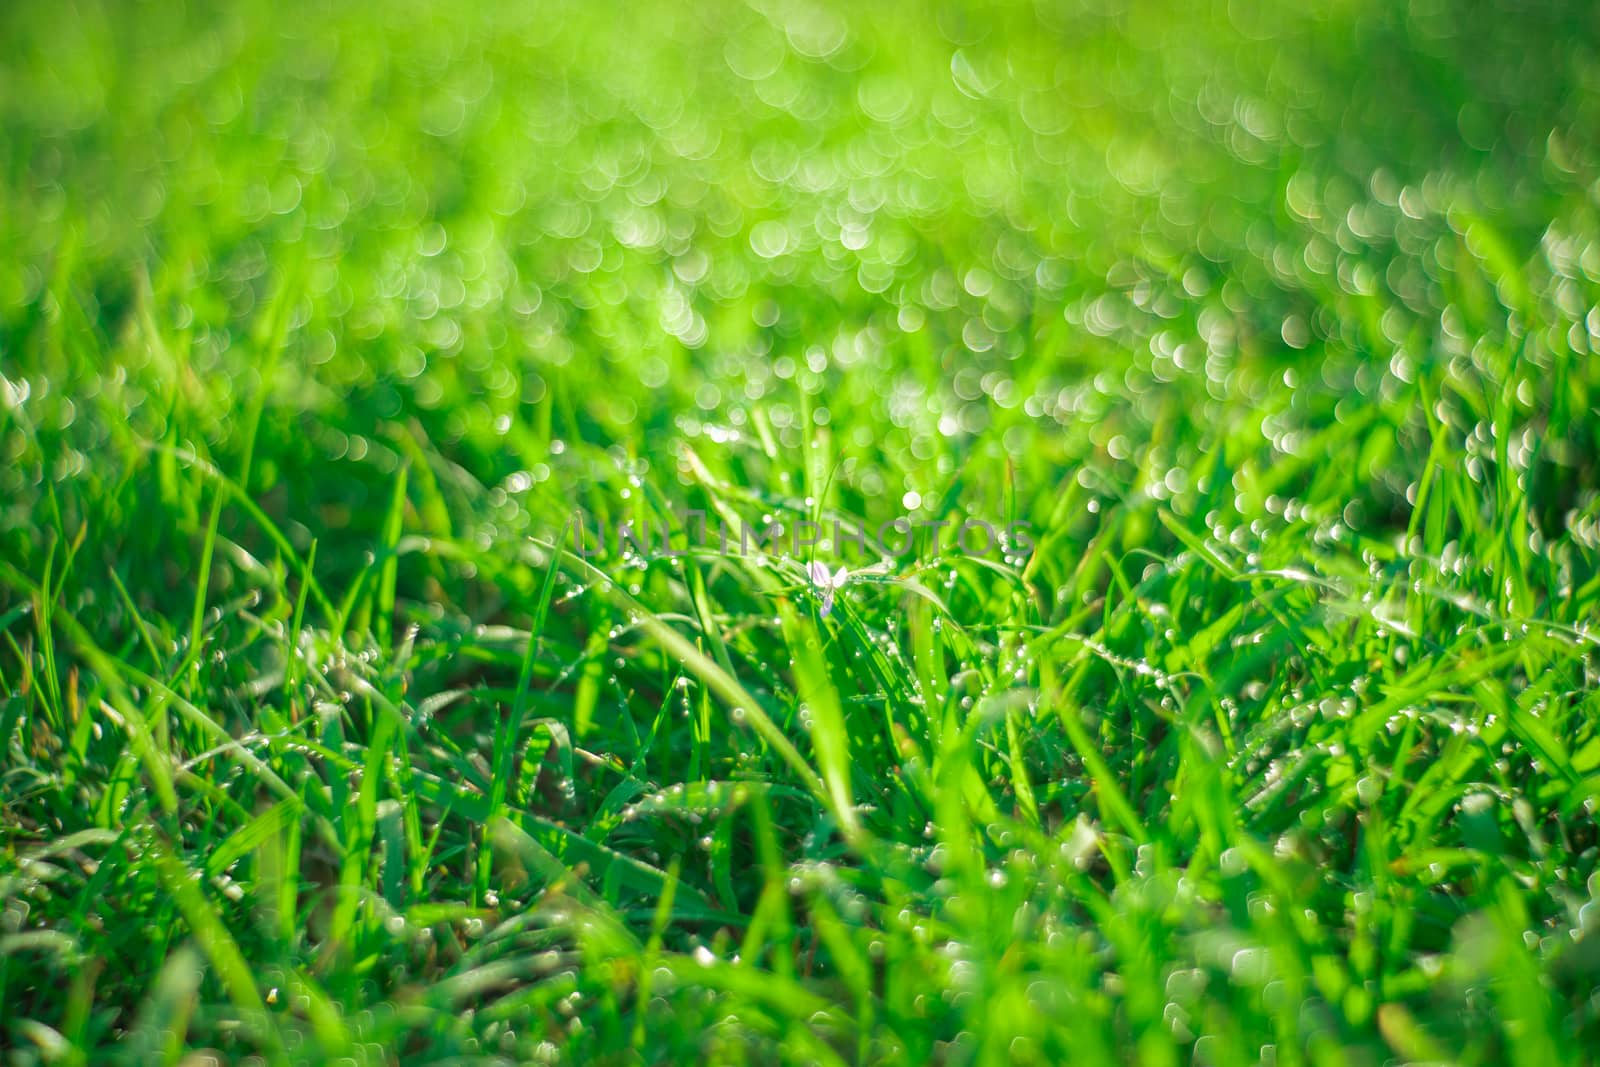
column 323, row 330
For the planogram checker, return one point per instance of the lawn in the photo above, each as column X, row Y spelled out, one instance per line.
column 799, row 532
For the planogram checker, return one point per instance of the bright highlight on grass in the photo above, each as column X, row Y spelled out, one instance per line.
column 1273, row 327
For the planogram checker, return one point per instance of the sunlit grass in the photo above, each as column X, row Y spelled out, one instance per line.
column 322, row 331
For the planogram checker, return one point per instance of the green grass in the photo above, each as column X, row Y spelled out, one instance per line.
column 318, row 742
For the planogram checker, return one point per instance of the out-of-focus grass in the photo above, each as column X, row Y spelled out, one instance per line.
column 316, row 325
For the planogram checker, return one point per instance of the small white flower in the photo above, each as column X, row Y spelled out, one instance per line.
column 828, row 584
